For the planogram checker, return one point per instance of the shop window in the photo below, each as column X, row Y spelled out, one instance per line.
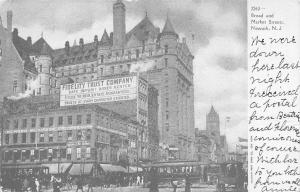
column 23, row 137
column 42, row 137
column 88, row 118
column 60, row 120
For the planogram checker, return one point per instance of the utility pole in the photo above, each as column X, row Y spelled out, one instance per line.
column 1, row 138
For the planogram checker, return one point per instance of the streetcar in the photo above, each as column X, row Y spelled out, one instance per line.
column 231, row 177
column 227, row 176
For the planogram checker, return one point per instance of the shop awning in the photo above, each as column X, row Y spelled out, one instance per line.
column 113, row 168
column 20, row 166
column 81, row 169
column 54, row 167
column 133, row 169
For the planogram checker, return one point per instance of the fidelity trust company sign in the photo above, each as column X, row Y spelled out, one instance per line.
column 105, row 90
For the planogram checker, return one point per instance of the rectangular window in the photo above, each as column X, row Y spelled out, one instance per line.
column 88, row 118
column 78, row 153
column 79, row 135
column 16, row 124
column 101, row 71
column 32, row 137
column 69, row 135
column 129, row 54
column 60, row 120
column 128, row 67
column 50, row 137
column 166, row 49
column 102, row 58
column 23, row 137
column 24, row 123
column 33, row 122
column 88, row 153
column 70, row 120
column 15, row 138
column 79, row 119
column 88, row 134
column 51, row 119
column 42, row 137
column 69, row 153
column 137, row 53
column 42, row 122
column 166, row 62
column 15, row 85
column 60, row 135
column 6, row 139
column 41, row 68
column 112, row 70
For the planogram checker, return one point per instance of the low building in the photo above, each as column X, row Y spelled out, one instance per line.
column 38, row 130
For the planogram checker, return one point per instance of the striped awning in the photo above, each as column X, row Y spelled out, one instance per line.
column 55, row 168
column 133, row 169
column 113, row 168
column 81, row 169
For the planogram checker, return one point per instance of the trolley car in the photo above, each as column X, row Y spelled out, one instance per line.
column 231, row 177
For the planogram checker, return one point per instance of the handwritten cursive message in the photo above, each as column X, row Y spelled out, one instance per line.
column 274, row 88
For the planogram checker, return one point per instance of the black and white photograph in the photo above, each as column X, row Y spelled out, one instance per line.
column 123, row 95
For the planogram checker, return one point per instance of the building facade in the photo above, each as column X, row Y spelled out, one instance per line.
column 38, row 130
column 210, row 145
column 159, row 56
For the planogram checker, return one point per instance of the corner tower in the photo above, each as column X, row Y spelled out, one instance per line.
column 44, row 65
column 213, row 125
column 119, row 35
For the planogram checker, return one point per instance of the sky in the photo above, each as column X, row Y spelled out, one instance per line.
column 219, row 42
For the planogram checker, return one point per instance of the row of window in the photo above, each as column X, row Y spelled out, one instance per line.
column 24, row 123
column 32, row 138
column 47, row 154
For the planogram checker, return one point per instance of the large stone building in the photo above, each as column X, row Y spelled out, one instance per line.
column 160, row 57
column 210, row 145
column 38, row 130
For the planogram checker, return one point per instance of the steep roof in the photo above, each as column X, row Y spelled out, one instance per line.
column 143, row 30
column 212, row 110
column 23, row 48
column 77, row 54
column 41, row 44
column 168, row 28
column 105, row 40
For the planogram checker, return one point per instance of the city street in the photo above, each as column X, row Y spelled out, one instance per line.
column 204, row 188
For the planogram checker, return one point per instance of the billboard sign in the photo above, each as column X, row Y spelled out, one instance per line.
column 100, row 91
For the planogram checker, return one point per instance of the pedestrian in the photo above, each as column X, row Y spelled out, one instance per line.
column 90, row 184
column 56, row 183
column 79, row 184
column 37, row 185
column 153, row 180
column 142, row 180
column 138, row 180
column 174, row 183
column 187, row 183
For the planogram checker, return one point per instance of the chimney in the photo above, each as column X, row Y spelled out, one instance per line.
column 15, row 34
column 119, row 25
column 96, row 38
column 29, row 41
column 81, row 43
column 111, row 36
column 9, row 20
column 67, row 47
